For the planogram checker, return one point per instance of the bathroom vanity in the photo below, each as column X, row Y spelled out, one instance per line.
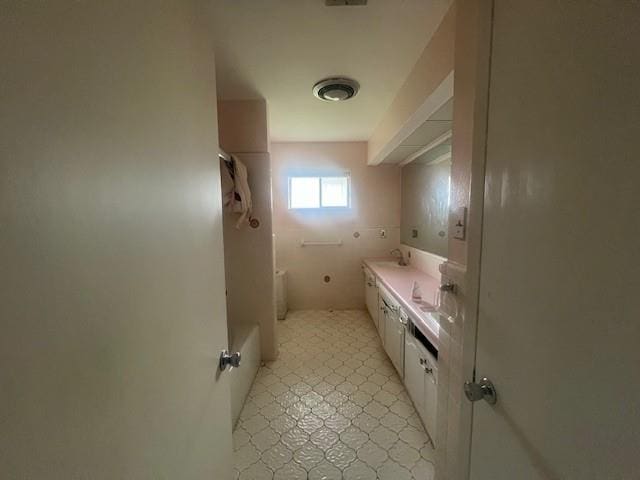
column 408, row 329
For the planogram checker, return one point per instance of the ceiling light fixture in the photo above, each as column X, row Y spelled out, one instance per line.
column 336, row 89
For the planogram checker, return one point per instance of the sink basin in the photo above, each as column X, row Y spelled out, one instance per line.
column 391, row 264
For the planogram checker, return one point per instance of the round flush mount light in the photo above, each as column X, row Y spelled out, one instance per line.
column 336, row 89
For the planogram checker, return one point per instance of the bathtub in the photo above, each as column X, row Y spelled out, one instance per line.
column 246, row 340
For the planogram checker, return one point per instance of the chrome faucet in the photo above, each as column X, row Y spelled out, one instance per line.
column 402, row 262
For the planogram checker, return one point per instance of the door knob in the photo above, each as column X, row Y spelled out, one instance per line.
column 425, row 366
column 483, row 390
column 232, row 359
column 448, row 287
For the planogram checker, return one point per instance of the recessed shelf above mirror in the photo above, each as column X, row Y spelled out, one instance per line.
column 433, row 133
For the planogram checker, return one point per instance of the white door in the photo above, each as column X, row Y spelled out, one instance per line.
column 112, row 302
column 559, row 324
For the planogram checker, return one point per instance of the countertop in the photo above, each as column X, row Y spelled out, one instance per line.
column 399, row 282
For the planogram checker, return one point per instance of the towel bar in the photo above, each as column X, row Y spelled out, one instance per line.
column 320, row 243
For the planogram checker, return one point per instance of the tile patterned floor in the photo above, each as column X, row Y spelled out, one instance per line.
column 330, row 407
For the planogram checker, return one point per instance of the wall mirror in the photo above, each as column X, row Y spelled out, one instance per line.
column 426, row 178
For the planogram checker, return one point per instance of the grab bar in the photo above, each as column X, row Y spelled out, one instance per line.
column 320, row 243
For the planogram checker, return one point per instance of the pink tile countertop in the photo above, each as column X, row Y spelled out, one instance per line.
column 399, row 282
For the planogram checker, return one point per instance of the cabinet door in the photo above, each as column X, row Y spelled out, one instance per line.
column 430, row 401
column 382, row 319
column 399, row 342
column 371, row 292
column 393, row 341
column 414, row 374
column 388, row 334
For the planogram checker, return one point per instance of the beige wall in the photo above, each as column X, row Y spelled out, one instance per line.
column 112, row 288
column 375, row 205
column 245, row 127
column 469, row 116
column 433, row 66
column 249, row 259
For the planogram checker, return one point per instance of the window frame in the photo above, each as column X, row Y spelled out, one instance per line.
column 319, row 178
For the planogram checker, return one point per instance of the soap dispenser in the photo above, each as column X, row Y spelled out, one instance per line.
column 416, row 293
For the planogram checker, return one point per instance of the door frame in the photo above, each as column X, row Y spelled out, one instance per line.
column 474, row 23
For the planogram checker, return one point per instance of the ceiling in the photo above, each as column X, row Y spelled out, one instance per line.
column 278, row 49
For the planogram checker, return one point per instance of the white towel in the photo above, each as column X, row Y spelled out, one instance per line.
column 241, row 182
column 236, row 195
column 226, row 181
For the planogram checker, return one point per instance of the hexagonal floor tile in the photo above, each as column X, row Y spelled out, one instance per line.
column 277, row 456
column 393, row 471
column 372, row 455
column 354, row 437
column 330, row 407
column 291, row 471
column 325, row 471
column 308, row 456
column 359, row 470
column 324, row 438
column 340, row 455
column 257, row 471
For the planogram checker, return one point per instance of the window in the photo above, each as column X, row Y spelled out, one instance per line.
column 319, row 192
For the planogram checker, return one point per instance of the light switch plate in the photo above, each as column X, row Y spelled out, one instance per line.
column 460, row 223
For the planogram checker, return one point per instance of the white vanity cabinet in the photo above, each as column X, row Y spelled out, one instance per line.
column 412, row 354
column 371, row 296
column 421, row 379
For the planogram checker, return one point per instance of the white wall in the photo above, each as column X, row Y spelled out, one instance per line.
column 249, row 258
column 112, row 287
column 431, row 69
column 375, row 205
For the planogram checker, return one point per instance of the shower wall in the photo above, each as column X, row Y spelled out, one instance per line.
column 331, row 276
column 249, row 258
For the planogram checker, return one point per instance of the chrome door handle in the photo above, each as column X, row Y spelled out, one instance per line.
column 425, row 366
column 483, row 390
column 448, row 287
column 229, row 359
